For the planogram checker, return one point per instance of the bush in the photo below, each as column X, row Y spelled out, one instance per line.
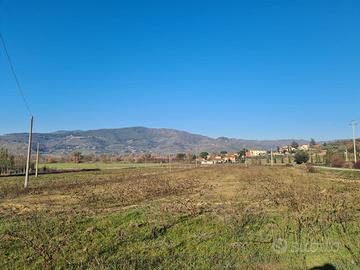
column 357, row 165
column 337, row 161
column 180, row 156
column 301, row 157
column 348, row 165
column 310, row 169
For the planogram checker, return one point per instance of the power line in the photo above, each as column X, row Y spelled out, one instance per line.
column 14, row 74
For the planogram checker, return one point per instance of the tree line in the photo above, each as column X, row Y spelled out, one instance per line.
column 10, row 163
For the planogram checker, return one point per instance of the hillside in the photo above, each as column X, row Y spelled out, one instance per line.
column 131, row 140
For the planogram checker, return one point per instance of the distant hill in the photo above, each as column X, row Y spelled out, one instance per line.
column 341, row 145
column 132, row 140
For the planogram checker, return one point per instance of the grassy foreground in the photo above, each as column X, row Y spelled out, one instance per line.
column 100, row 165
column 223, row 217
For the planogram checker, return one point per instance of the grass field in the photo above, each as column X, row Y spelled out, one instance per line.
column 100, row 165
column 222, row 217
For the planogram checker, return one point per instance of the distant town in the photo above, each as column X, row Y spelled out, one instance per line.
column 284, row 154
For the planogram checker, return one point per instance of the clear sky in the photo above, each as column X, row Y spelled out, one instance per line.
column 247, row 69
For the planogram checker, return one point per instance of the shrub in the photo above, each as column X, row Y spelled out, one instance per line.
column 337, row 161
column 301, row 157
column 357, row 165
column 76, row 157
column 310, row 169
column 348, row 165
column 180, row 156
column 51, row 159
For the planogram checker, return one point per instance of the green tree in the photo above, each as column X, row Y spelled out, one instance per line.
column 312, row 142
column 7, row 161
column 180, row 156
column 301, row 157
column 204, row 155
column 295, row 145
column 223, row 153
column 241, row 155
column 191, row 157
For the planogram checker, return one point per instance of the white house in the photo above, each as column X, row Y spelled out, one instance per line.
column 304, row 147
column 256, row 153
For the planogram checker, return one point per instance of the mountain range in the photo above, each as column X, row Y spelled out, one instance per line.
column 132, row 140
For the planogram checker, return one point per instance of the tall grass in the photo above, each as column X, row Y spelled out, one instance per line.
column 225, row 217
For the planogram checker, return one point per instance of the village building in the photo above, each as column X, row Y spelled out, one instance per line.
column 256, row 153
column 287, row 149
column 212, row 160
column 230, row 158
column 304, row 147
column 217, row 159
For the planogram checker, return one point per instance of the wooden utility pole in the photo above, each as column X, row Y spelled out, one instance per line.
column 170, row 162
column 37, row 160
column 346, row 154
column 196, row 157
column 28, row 153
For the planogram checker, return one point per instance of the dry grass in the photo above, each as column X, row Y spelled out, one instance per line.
column 215, row 217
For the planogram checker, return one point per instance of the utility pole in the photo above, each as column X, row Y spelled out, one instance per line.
column 196, row 157
column 28, row 153
column 169, row 163
column 346, row 154
column 353, row 125
column 37, row 160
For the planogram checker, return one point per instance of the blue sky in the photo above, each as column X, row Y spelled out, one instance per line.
column 245, row 69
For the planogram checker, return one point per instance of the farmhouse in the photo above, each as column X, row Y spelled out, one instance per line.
column 231, row 158
column 212, row 160
column 304, row 147
column 255, row 153
column 217, row 159
column 287, row 149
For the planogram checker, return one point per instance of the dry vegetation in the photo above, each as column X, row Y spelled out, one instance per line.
column 223, row 217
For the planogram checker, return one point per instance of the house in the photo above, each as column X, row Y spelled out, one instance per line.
column 287, row 149
column 316, row 147
column 212, row 160
column 304, row 147
column 256, row 153
column 230, row 158
column 217, row 159
column 208, row 162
